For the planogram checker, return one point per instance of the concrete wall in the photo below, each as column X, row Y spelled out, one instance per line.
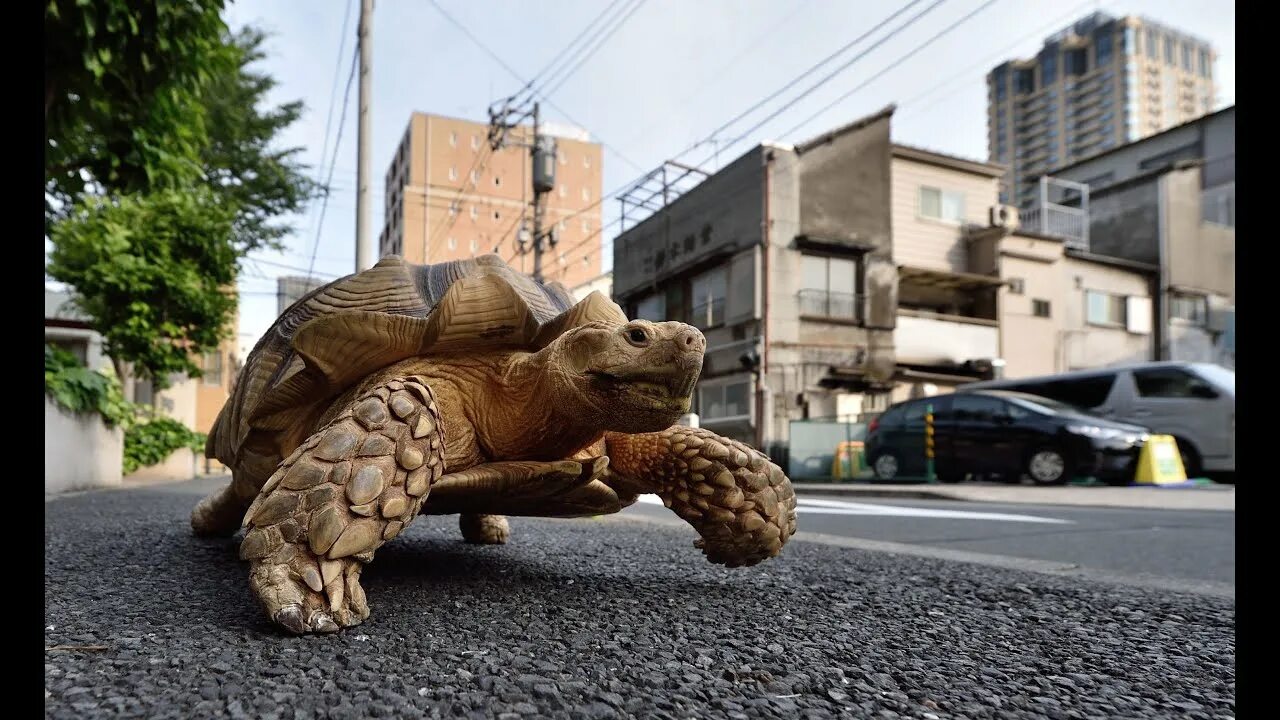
column 928, row 242
column 846, row 186
column 1088, row 346
column 80, row 451
column 1030, row 344
column 1201, row 256
column 1212, row 138
column 722, row 215
column 180, row 465
column 1124, row 221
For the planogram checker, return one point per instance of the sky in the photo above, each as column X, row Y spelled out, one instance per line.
column 669, row 76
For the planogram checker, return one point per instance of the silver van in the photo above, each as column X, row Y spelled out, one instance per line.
column 1193, row 402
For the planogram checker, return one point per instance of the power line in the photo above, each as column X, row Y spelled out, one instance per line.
column 600, row 42
column 790, row 84
column 471, row 36
column 839, row 70
column 893, row 64
column 796, row 80
column 342, row 122
column 473, row 177
column 566, row 48
column 291, row 267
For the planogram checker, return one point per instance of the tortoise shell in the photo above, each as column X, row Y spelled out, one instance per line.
column 329, row 340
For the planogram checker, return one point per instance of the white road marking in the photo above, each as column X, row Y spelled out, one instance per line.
column 816, row 506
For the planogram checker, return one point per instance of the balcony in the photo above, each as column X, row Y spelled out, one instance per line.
column 1061, row 210
column 831, row 305
column 931, row 339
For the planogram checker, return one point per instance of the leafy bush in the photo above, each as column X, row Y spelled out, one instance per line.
column 148, row 438
column 150, row 442
column 81, row 390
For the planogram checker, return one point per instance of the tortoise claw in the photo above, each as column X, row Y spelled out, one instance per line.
column 290, row 616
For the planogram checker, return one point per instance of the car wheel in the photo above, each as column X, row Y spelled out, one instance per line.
column 886, row 466
column 1048, row 465
column 1190, row 458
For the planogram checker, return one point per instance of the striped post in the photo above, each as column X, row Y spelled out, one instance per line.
column 930, row 475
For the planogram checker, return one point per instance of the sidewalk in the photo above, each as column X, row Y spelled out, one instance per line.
column 1212, row 497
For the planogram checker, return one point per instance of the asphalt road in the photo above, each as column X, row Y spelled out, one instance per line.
column 1195, row 546
column 606, row 618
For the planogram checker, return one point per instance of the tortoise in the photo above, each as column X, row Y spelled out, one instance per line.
column 464, row 388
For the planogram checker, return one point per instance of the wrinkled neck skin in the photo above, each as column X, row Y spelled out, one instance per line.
column 533, row 410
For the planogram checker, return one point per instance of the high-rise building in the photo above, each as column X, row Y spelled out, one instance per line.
column 1100, row 83
column 478, row 200
column 292, row 288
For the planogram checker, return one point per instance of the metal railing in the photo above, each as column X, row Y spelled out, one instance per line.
column 824, row 303
column 1052, row 217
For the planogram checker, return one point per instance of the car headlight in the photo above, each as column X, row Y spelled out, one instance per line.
column 1095, row 431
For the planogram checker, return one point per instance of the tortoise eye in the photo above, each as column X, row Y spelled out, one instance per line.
column 638, row 336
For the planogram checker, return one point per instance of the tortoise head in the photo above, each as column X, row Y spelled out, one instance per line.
column 638, row 375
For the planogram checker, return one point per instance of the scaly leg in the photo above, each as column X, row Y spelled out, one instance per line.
column 350, row 487
column 741, row 504
column 484, row 529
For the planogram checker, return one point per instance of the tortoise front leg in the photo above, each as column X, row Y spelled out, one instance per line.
column 349, row 488
column 741, row 504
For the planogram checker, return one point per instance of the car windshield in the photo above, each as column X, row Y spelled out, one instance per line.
column 1218, row 376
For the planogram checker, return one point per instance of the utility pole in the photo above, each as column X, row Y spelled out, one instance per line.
column 543, row 151
column 365, row 258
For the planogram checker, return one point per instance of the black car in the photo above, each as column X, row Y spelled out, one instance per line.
column 999, row 432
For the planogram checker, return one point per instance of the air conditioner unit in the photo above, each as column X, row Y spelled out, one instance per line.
column 1005, row 216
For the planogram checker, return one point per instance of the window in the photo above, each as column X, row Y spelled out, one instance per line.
column 1049, row 68
column 1104, row 40
column 725, row 401
column 1017, row 286
column 563, row 191
column 1076, row 62
column 1186, row 57
column 453, row 207
column 586, row 161
column 1040, row 308
column 1192, row 308
column 212, row 369
column 453, row 139
column 998, row 79
column 1085, row 392
column 497, row 181
column 1130, row 41
column 475, row 143
column 976, row 408
column 586, row 225
column 453, row 244
column 474, row 212
column 497, row 215
column 1204, row 63
column 1171, row 383
column 474, row 245
column 1024, row 81
column 475, row 176
column 708, row 298
column 586, row 194
column 941, row 204
column 1104, row 308
column 1151, row 44
column 453, row 173
column 1168, row 50
column 828, row 287
column 653, row 308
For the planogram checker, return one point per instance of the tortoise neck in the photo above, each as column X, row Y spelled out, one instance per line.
column 547, row 416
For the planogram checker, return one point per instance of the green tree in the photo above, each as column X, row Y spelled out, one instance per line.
column 241, row 161
column 153, row 272
column 124, row 88
column 161, row 171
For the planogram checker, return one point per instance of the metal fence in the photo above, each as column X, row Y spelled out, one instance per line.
column 815, row 452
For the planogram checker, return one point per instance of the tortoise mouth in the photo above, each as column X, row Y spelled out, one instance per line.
column 670, row 384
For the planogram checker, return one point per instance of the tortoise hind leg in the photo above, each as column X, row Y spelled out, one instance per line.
column 349, row 488
column 479, row 529
column 221, row 512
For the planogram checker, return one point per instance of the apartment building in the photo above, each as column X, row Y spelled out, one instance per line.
column 1098, row 84
column 1168, row 202
column 449, row 195
column 784, row 259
